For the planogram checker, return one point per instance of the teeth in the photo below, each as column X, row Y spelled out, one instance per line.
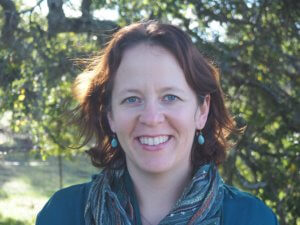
column 153, row 141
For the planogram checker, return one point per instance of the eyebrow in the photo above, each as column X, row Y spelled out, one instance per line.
column 164, row 89
column 131, row 90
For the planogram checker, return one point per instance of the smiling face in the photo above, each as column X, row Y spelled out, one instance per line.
column 154, row 112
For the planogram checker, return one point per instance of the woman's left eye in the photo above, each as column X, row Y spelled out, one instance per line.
column 170, row 98
column 131, row 100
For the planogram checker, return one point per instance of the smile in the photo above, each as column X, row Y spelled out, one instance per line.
column 153, row 140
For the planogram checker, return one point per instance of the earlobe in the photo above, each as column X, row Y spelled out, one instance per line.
column 202, row 114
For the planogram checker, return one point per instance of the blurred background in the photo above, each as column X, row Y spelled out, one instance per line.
column 254, row 43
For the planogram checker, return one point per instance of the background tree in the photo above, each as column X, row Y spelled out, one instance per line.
column 254, row 43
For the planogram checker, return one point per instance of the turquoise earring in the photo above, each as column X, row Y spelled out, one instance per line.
column 114, row 142
column 201, row 139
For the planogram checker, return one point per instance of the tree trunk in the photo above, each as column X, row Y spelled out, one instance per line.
column 60, row 170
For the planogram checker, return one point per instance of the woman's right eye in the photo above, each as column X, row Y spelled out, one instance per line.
column 131, row 100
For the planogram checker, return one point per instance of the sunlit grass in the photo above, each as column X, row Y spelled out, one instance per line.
column 22, row 202
column 26, row 184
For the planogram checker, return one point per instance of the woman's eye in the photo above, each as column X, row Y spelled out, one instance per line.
column 132, row 99
column 170, row 98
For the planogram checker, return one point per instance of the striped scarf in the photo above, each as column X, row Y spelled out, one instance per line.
column 110, row 202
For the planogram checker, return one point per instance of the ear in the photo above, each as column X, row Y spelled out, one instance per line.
column 202, row 113
column 111, row 121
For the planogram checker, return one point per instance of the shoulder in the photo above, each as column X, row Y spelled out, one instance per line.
column 66, row 206
column 243, row 208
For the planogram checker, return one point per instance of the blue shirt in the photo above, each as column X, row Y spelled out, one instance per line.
column 66, row 207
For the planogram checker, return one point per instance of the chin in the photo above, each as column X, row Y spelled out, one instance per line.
column 156, row 167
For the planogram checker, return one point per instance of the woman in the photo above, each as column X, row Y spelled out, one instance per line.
column 156, row 110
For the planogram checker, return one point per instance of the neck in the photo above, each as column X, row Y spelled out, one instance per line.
column 158, row 193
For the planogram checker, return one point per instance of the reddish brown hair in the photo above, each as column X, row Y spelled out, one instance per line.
column 93, row 90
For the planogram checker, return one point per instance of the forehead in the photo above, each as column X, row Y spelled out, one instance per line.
column 146, row 64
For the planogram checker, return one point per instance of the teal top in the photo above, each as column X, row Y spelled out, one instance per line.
column 66, row 207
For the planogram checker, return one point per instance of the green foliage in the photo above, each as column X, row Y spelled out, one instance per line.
column 256, row 46
column 36, row 83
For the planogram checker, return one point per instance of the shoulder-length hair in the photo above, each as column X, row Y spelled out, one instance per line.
column 93, row 90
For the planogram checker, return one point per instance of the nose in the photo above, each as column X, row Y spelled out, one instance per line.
column 151, row 115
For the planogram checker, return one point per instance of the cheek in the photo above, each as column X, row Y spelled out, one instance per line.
column 184, row 125
column 123, row 122
column 183, row 116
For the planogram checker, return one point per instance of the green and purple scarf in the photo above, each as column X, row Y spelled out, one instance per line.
column 112, row 200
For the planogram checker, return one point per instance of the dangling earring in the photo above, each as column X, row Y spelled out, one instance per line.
column 201, row 139
column 114, row 141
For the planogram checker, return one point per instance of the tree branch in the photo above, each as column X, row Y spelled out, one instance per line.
column 58, row 23
column 246, row 184
column 85, row 8
column 32, row 8
column 11, row 21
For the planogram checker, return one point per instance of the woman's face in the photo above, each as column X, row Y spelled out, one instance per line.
column 154, row 111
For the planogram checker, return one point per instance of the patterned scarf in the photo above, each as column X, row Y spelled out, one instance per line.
column 110, row 201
